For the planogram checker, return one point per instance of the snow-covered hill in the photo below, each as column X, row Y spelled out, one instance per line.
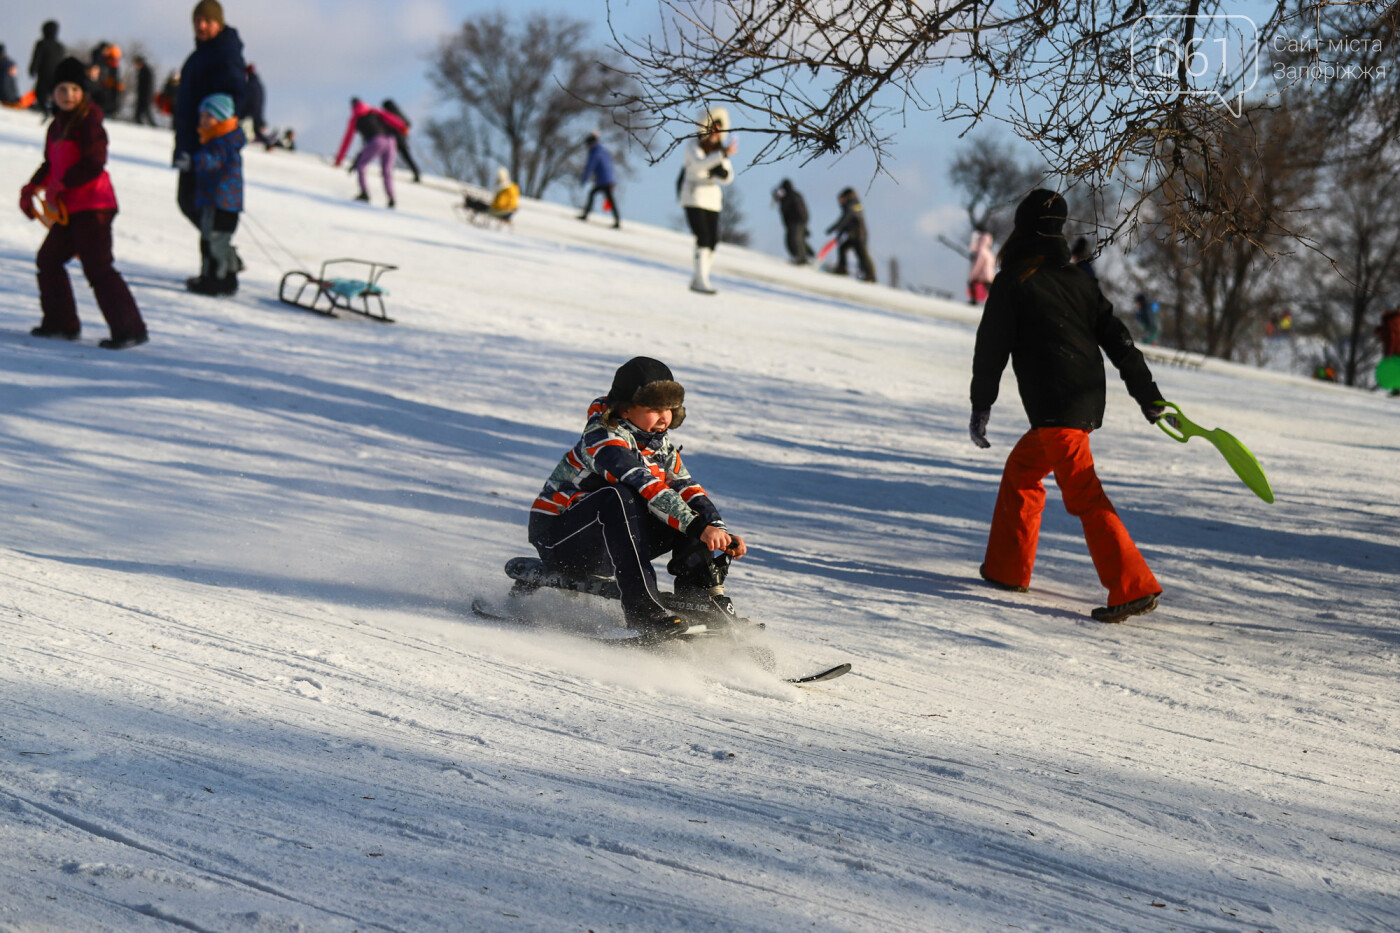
column 239, row 689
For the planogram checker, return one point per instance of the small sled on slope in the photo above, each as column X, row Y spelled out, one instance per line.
column 709, row 622
column 326, row 294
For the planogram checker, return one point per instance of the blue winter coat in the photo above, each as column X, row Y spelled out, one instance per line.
column 218, row 173
column 600, row 166
column 214, row 67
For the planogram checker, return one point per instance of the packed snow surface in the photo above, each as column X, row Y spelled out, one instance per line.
column 240, row 688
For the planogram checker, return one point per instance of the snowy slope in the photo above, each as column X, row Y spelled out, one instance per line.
column 239, row 689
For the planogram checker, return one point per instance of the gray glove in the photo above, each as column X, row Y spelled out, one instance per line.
column 977, row 428
column 183, row 162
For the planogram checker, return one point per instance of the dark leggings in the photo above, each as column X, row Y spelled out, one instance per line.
column 609, row 532
column 609, row 200
column 705, row 225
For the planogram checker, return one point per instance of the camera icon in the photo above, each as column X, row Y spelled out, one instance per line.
column 1207, row 55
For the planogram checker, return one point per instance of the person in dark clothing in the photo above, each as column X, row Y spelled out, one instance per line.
column 599, row 167
column 793, row 208
column 48, row 52
column 401, row 137
column 145, row 91
column 215, row 66
column 378, row 131
column 9, row 86
column 1051, row 320
column 108, row 87
column 850, row 232
column 76, row 187
column 254, row 102
column 621, row 497
column 1082, row 254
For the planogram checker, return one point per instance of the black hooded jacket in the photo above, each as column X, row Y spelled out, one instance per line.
column 1052, row 323
column 215, row 66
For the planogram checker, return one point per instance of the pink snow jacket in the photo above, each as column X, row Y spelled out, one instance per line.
column 75, row 156
column 984, row 261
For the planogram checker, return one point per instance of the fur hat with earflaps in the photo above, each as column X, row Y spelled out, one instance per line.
column 646, row 382
column 713, row 119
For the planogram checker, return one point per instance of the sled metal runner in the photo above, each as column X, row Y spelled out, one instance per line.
column 327, row 293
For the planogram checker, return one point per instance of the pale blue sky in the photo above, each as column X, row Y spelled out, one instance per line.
column 315, row 54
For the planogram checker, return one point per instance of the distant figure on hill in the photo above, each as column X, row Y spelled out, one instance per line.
column 79, row 206
column 1147, row 314
column 505, row 202
column 1050, row 319
column 215, row 66
column 1388, row 330
column 108, row 86
column 984, row 267
column 254, row 104
column 379, row 143
column 401, row 137
column 145, row 91
column 793, row 209
column 707, row 169
column 9, row 79
column 851, row 235
column 600, row 168
column 1083, row 255
column 48, row 52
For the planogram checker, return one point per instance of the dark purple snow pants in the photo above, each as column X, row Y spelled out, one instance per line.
column 87, row 235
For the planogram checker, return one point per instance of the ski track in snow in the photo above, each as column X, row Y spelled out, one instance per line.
column 241, row 688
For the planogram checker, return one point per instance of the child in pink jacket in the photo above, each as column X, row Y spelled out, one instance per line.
column 81, row 206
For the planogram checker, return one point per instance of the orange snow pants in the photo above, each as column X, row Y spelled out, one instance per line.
column 1016, row 520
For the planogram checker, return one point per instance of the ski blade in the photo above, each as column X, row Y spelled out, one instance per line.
column 830, row 673
column 483, row 611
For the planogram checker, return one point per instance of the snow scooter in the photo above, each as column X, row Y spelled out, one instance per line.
column 1180, row 428
column 710, row 619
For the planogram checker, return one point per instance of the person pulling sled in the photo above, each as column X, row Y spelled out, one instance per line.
column 621, row 497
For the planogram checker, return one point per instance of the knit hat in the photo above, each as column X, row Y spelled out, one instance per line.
column 210, row 10
column 647, row 382
column 1042, row 212
column 71, row 71
column 218, row 106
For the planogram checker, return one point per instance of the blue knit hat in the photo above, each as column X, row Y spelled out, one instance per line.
column 218, row 106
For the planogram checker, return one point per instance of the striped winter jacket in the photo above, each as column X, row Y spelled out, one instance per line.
column 650, row 466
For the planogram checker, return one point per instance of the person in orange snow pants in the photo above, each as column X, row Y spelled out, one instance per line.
column 1048, row 317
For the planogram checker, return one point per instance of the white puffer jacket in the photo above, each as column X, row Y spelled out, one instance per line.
column 699, row 189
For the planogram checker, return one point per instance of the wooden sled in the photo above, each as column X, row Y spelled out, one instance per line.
column 326, row 294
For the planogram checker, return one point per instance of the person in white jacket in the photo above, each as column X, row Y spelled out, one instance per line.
column 707, row 168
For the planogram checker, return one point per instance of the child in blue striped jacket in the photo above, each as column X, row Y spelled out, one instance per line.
column 621, row 497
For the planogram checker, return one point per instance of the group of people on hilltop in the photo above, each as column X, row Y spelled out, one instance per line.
column 108, row 86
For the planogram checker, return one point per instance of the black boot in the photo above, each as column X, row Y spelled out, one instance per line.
column 698, row 572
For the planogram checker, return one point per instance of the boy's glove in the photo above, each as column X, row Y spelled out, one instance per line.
column 183, row 162
column 1153, row 412
column 977, row 428
column 26, row 201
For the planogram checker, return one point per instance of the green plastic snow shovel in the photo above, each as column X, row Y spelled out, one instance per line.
column 1179, row 427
